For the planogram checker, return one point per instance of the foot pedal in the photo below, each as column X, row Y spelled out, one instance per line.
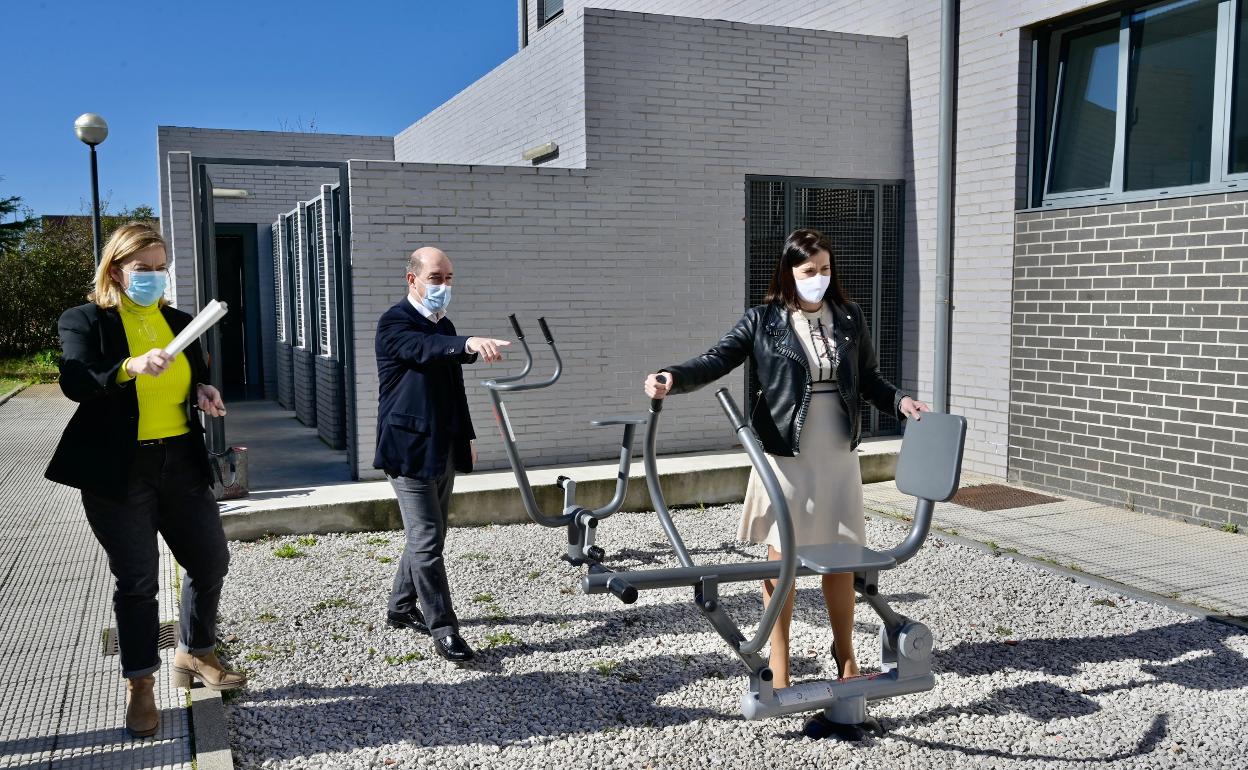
column 819, row 727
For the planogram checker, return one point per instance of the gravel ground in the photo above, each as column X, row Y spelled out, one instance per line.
column 1033, row 670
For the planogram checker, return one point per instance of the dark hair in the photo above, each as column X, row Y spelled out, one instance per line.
column 802, row 246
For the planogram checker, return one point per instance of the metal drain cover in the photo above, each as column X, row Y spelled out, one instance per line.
column 166, row 639
column 999, row 497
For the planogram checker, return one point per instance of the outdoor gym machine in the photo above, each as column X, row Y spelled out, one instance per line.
column 928, row 469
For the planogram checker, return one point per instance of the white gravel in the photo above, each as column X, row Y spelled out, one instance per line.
column 564, row 680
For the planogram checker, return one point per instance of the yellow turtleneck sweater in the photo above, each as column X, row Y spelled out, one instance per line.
column 162, row 400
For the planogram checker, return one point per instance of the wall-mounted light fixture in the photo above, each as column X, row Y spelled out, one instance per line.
column 228, row 192
column 540, row 152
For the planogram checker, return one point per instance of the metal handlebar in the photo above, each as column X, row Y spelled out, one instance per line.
column 784, row 523
column 512, row 383
column 650, row 461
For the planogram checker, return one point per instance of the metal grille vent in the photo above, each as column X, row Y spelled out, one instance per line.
column 863, row 223
column 166, row 639
column 279, row 283
column 998, row 497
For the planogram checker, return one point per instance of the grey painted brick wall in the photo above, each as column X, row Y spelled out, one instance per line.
column 536, row 96
column 285, row 375
column 637, row 260
column 1130, row 355
column 303, row 386
column 330, row 413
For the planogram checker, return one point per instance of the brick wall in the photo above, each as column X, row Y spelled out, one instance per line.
column 536, row 96
column 303, row 386
column 330, row 415
column 285, row 375
column 637, row 259
column 1129, row 375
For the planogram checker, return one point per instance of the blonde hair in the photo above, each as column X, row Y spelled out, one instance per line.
column 125, row 242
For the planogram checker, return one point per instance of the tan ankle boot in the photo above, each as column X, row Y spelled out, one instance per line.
column 142, row 718
column 207, row 669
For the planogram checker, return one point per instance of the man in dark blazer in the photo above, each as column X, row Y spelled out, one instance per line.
column 424, row 436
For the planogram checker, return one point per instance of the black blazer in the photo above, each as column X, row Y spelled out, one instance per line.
column 97, row 447
column 765, row 337
column 422, row 410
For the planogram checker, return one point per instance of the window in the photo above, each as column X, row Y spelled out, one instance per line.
column 547, row 10
column 279, row 282
column 298, row 256
column 324, row 231
column 1142, row 102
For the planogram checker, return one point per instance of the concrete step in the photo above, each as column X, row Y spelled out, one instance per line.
column 491, row 497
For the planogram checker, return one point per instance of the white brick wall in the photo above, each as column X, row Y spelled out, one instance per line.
column 636, row 260
column 536, row 96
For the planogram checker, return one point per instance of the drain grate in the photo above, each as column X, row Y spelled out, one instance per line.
column 167, row 639
column 999, row 497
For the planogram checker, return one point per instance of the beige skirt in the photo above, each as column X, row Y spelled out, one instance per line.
column 822, row 484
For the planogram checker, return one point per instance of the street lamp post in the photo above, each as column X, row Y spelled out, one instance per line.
column 92, row 130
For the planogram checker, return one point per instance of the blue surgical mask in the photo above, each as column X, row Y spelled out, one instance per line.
column 146, row 288
column 437, row 297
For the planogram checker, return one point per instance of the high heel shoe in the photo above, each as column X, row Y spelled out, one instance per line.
column 840, row 667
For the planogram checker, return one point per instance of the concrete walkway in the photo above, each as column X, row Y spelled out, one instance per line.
column 282, row 453
column 1182, row 562
column 64, row 701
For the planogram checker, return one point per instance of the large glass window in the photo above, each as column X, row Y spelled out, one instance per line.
column 547, row 10
column 1147, row 99
column 1083, row 141
column 1169, row 123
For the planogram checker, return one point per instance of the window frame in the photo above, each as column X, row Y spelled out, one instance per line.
column 542, row 18
column 1044, row 106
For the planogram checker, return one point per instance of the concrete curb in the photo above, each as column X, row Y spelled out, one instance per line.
column 491, row 498
column 13, row 393
column 211, row 730
column 1083, row 578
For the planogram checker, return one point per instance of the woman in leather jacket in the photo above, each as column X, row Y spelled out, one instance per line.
column 816, row 364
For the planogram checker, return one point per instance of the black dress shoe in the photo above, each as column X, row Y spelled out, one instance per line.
column 413, row 620
column 453, row 648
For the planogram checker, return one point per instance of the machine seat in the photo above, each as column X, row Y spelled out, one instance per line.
column 842, row 557
column 620, row 419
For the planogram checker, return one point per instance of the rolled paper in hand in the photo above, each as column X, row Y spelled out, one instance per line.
column 214, row 311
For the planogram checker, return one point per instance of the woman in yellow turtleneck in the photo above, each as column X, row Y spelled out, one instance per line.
column 135, row 448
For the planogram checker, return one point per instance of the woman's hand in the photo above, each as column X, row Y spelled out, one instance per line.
column 656, row 389
column 152, row 363
column 912, row 409
column 209, row 399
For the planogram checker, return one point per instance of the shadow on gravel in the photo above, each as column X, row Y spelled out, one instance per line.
column 496, row 709
column 1158, row 649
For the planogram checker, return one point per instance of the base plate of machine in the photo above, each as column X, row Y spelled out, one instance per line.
column 819, row 727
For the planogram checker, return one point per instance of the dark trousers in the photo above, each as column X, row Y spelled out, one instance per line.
column 422, row 573
column 168, row 495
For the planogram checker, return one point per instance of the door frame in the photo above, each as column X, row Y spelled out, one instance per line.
column 253, row 342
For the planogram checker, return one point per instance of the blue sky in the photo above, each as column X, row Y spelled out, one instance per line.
column 357, row 67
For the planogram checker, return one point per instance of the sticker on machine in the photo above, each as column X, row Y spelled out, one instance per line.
column 502, row 411
column 806, row 692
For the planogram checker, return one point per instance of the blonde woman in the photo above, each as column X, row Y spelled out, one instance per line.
column 816, row 364
column 135, row 448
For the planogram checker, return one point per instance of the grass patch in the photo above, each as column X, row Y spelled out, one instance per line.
column 33, row 368
column 330, row 604
column 1229, row 526
column 484, row 598
column 7, row 384
column 1003, row 631
column 398, row 660
column 266, row 617
column 500, row 638
column 287, row 551
column 606, row 667
column 384, row 559
column 534, row 575
column 307, row 541
column 1104, row 603
column 378, row 541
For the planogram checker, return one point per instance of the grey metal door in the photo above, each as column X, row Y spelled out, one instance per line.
column 862, row 220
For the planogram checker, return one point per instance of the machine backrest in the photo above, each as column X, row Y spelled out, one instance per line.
column 930, row 464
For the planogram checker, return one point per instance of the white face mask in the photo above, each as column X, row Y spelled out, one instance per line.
column 812, row 289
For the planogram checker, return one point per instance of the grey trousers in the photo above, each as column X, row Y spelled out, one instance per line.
column 421, row 577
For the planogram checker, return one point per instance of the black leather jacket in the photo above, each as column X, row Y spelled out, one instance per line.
column 765, row 335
